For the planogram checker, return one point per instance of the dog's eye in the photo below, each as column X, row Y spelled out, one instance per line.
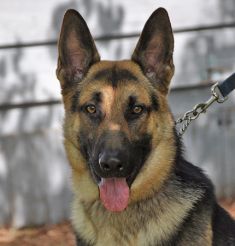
column 134, row 112
column 137, row 109
column 91, row 109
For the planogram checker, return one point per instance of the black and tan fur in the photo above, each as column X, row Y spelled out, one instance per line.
column 171, row 201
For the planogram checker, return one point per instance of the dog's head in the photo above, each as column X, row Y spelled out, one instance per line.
column 118, row 128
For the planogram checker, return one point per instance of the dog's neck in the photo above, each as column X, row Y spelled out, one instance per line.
column 165, row 210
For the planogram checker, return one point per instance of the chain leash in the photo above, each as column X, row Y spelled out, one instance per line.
column 193, row 114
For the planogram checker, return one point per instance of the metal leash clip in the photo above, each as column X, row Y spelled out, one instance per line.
column 193, row 114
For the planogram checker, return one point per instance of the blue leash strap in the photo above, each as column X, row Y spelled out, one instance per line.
column 226, row 86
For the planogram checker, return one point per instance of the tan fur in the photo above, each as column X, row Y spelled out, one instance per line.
column 114, row 127
column 208, row 234
column 108, row 97
column 156, row 169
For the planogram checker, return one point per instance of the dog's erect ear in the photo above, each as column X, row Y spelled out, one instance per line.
column 154, row 50
column 77, row 50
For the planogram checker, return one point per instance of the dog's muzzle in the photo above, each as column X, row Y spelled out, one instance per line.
column 113, row 163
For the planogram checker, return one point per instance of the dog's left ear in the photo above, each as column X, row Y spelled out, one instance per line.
column 77, row 50
column 154, row 50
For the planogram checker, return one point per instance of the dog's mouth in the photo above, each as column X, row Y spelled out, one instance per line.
column 114, row 170
column 115, row 191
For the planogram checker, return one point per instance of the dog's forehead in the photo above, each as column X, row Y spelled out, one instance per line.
column 122, row 76
column 115, row 71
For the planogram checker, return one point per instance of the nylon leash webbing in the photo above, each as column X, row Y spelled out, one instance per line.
column 220, row 92
column 227, row 85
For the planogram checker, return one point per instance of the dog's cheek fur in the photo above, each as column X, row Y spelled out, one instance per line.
column 161, row 158
column 83, row 185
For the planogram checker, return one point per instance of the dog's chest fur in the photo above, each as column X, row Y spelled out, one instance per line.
column 153, row 222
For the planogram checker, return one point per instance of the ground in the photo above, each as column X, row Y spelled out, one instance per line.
column 55, row 235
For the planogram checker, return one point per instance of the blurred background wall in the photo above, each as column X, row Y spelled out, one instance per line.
column 34, row 173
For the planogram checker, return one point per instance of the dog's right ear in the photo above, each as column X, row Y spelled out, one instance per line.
column 77, row 50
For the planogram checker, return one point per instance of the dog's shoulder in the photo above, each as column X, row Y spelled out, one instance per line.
column 223, row 227
column 193, row 176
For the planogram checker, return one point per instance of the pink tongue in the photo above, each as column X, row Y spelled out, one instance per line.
column 114, row 193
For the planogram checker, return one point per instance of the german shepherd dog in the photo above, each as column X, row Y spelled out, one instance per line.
column 131, row 183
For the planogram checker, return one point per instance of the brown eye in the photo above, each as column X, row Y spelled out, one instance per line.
column 137, row 109
column 91, row 109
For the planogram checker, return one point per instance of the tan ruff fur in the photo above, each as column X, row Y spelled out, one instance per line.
column 159, row 216
column 209, row 235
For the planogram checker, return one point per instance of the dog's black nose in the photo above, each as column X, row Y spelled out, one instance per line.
column 110, row 163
